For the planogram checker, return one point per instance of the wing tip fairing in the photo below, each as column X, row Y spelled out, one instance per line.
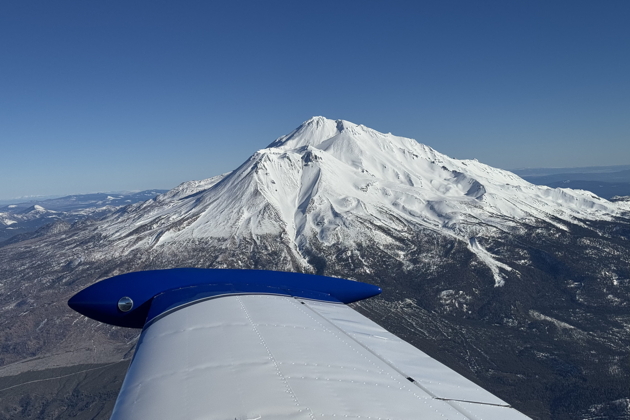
column 156, row 292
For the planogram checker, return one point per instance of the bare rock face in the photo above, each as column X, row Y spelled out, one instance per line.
column 524, row 289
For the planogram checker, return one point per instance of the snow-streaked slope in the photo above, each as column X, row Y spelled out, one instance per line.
column 338, row 182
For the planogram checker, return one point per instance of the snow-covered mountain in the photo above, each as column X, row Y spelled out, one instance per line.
column 525, row 289
column 336, row 182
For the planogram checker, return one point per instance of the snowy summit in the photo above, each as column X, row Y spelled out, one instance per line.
column 335, row 182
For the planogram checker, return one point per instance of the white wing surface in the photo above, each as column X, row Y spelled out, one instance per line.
column 276, row 357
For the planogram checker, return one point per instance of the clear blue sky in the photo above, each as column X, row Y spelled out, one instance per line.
column 124, row 95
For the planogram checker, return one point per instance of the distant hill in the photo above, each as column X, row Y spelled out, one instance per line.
column 605, row 181
column 27, row 218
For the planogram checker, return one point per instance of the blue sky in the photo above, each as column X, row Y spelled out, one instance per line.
column 128, row 95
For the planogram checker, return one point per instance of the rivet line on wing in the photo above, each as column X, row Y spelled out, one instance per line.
column 273, row 360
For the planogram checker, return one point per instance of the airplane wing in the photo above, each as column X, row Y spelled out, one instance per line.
column 245, row 345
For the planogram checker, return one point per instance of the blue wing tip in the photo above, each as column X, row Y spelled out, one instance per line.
column 184, row 285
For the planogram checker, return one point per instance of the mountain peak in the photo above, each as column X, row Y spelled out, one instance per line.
column 313, row 132
column 336, row 183
column 34, row 209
